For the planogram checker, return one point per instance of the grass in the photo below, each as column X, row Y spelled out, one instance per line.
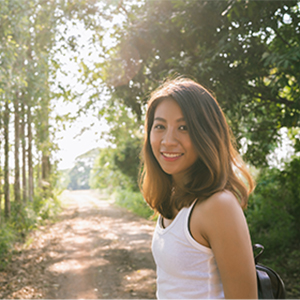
column 23, row 219
column 132, row 201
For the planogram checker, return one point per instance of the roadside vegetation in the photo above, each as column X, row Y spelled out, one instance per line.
column 25, row 218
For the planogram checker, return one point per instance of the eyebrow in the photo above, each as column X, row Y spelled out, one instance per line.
column 163, row 120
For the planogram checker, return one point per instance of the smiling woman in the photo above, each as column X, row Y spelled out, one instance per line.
column 171, row 144
column 192, row 178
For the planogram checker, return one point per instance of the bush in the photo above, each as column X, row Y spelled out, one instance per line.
column 46, row 207
column 24, row 218
column 106, row 175
column 7, row 237
column 133, row 201
column 274, row 209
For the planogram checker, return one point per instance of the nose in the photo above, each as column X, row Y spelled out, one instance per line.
column 169, row 138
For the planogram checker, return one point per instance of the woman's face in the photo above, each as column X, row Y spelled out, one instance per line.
column 170, row 140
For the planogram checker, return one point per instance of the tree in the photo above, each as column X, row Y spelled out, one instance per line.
column 29, row 151
column 1, row 170
column 23, row 142
column 79, row 175
column 27, row 37
column 106, row 175
column 17, row 146
column 125, row 135
column 246, row 52
column 6, row 158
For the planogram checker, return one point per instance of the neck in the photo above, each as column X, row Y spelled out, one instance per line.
column 177, row 180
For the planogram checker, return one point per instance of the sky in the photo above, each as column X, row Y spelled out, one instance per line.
column 70, row 143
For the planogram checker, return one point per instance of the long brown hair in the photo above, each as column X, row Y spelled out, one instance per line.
column 219, row 165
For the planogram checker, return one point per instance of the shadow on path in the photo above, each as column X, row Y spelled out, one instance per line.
column 95, row 251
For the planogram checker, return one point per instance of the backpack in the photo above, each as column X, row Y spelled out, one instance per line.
column 269, row 283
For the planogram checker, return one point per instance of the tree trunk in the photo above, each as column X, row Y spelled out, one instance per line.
column 44, row 139
column 45, row 167
column 23, row 140
column 30, row 166
column 17, row 146
column 6, row 161
column 1, row 174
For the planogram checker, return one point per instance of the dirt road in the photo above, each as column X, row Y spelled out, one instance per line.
column 95, row 251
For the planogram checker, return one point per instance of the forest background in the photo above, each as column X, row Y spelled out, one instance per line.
column 246, row 52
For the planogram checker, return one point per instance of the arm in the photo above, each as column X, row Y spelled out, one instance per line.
column 219, row 223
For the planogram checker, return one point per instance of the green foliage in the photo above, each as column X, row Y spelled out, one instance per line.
column 26, row 217
column 273, row 218
column 23, row 218
column 127, row 160
column 63, row 180
column 7, row 237
column 246, row 52
column 118, row 165
column 133, row 201
column 273, row 214
column 78, row 177
column 45, row 208
column 106, row 175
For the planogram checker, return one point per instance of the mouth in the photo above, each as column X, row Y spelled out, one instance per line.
column 171, row 155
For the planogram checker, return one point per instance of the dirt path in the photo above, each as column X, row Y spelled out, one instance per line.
column 94, row 251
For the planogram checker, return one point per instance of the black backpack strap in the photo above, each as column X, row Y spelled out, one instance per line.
column 265, row 286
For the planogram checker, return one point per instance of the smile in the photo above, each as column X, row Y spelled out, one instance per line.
column 171, row 155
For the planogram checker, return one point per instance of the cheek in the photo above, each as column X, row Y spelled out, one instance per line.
column 152, row 137
column 154, row 143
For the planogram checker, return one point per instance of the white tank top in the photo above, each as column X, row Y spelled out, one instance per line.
column 185, row 268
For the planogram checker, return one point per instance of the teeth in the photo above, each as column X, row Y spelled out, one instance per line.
column 171, row 155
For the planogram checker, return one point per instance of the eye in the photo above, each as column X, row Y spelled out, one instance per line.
column 183, row 128
column 159, row 126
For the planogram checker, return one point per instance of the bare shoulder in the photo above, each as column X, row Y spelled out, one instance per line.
column 213, row 215
column 220, row 213
column 221, row 202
